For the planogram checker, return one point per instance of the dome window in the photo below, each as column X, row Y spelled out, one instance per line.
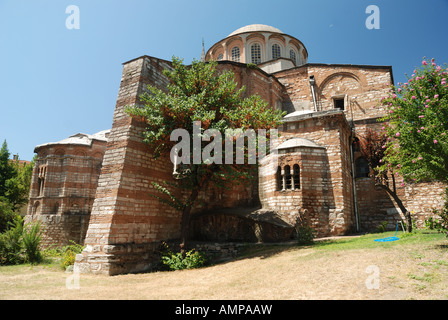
column 255, row 53
column 236, row 54
column 275, row 51
column 292, row 56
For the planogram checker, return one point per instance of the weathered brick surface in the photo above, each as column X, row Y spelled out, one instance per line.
column 361, row 87
column 124, row 212
column 127, row 224
column 325, row 181
column 63, row 187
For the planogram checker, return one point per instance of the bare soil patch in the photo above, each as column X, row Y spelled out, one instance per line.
column 287, row 272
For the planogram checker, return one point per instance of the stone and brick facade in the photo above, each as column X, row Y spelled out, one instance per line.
column 63, row 186
column 314, row 172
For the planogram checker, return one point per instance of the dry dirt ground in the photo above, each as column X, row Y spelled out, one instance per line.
column 281, row 272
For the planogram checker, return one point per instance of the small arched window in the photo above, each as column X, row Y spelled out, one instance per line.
column 236, row 54
column 279, row 179
column 288, row 183
column 362, row 168
column 220, row 57
column 42, row 173
column 288, row 179
column 255, row 53
column 36, row 207
column 276, row 51
column 296, row 176
column 292, row 56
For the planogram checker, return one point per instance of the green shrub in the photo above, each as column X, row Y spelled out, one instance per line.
column 174, row 261
column 441, row 224
column 69, row 253
column 433, row 224
column 383, row 226
column 7, row 214
column 31, row 236
column 305, row 235
column 11, row 245
column 20, row 243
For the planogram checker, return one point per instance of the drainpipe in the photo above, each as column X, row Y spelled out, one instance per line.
column 355, row 201
column 312, row 83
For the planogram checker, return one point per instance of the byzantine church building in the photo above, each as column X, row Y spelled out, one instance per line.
column 95, row 189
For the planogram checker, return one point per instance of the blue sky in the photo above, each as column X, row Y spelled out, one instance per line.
column 56, row 82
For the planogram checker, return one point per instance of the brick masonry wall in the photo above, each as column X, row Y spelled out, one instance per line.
column 125, row 216
column 376, row 206
column 361, row 87
column 325, row 175
column 127, row 224
column 63, row 199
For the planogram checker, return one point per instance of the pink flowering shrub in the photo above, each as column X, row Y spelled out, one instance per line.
column 417, row 117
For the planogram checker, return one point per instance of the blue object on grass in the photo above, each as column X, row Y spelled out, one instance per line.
column 394, row 238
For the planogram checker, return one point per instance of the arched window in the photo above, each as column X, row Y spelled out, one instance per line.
column 236, row 54
column 42, row 173
column 279, row 179
column 276, row 51
column 362, row 168
column 255, row 53
column 288, row 184
column 288, row 179
column 292, row 56
column 296, row 176
column 36, row 208
column 220, row 57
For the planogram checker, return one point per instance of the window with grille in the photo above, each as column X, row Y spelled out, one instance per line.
column 255, row 53
column 236, row 54
column 220, row 57
column 275, row 51
column 288, row 184
column 292, row 56
column 296, row 177
column 287, row 179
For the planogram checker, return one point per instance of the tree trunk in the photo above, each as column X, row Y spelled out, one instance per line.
column 185, row 222
column 406, row 213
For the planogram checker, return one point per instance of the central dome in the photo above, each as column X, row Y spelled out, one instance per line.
column 255, row 28
column 265, row 46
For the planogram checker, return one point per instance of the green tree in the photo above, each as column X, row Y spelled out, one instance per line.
column 7, row 214
column 417, row 125
column 15, row 182
column 18, row 187
column 6, row 170
column 199, row 93
column 417, row 116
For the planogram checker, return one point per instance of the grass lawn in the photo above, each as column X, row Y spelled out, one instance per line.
column 414, row 267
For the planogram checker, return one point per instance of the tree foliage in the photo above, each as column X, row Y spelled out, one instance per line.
column 15, row 181
column 417, row 116
column 200, row 93
column 20, row 243
column 7, row 171
column 417, row 126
